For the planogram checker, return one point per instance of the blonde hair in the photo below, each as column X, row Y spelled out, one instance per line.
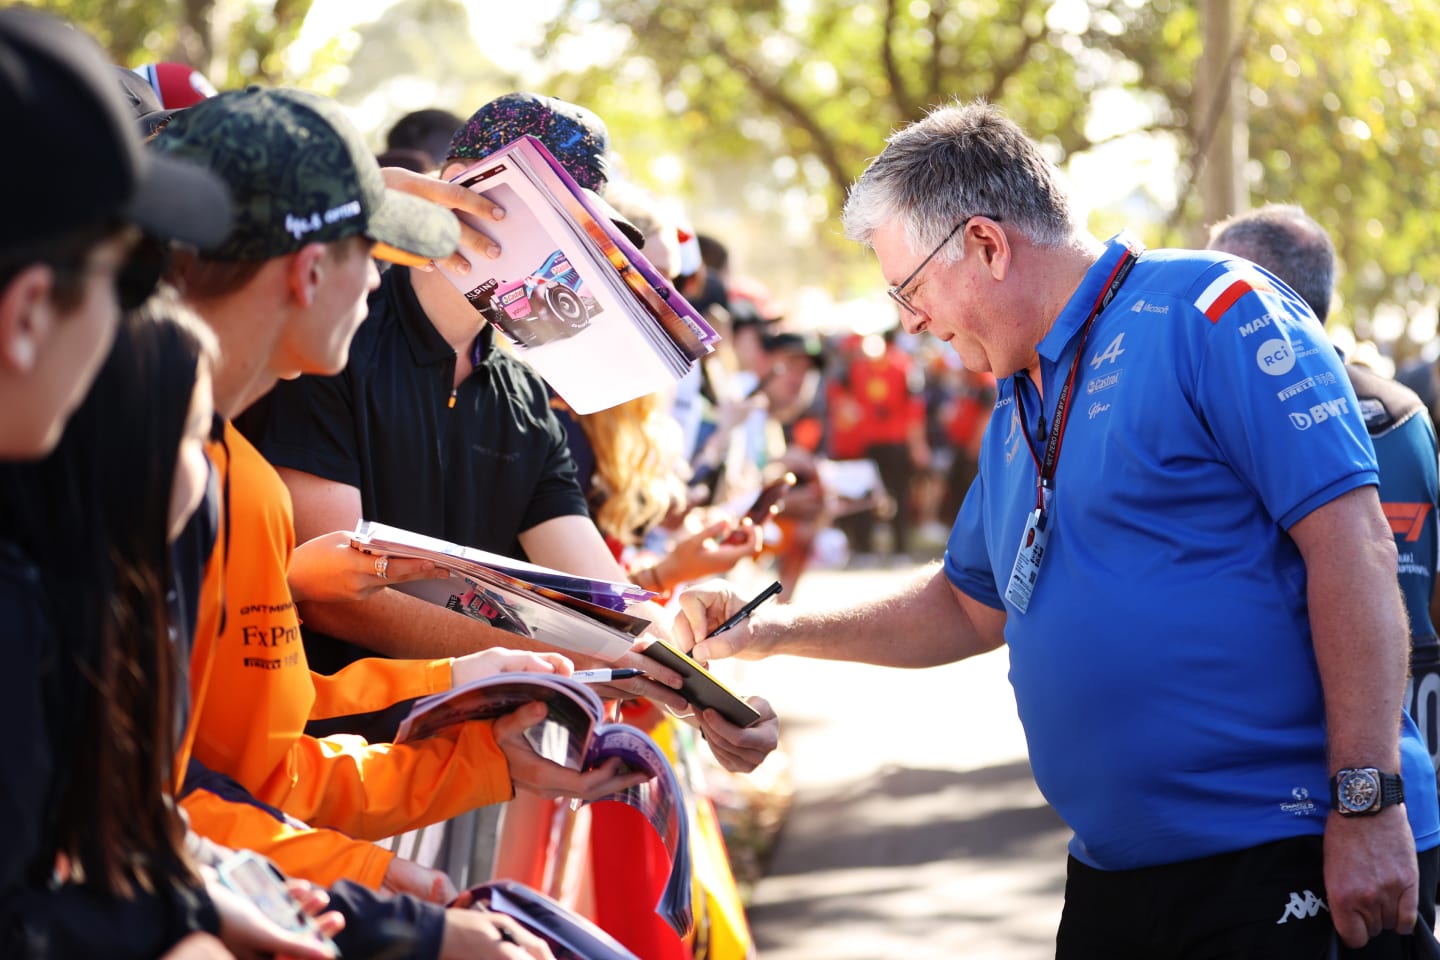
column 637, row 458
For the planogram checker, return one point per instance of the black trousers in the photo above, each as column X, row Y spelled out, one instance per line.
column 1264, row 903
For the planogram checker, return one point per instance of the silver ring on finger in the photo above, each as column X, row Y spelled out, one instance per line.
column 382, row 564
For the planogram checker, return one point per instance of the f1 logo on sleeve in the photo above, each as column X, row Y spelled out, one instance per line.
column 1406, row 519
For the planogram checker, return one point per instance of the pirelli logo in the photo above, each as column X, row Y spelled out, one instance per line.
column 1406, row 519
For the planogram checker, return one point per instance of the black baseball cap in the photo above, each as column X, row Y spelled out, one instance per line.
column 74, row 157
column 299, row 172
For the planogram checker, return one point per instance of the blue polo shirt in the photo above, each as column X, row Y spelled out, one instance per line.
column 1164, row 669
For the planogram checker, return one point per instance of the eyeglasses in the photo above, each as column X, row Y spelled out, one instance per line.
column 897, row 292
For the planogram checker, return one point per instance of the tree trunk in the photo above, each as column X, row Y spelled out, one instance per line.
column 1221, row 117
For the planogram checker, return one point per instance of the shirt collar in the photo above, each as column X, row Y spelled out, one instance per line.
column 1082, row 301
column 482, row 348
column 426, row 344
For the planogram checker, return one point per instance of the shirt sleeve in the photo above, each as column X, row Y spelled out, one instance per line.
column 381, row 925
column 372, row 684
column 224, row 812
column 378, row 790
column 1274, row 395
column 352, row 870
column 557, row 491
column 967, row 557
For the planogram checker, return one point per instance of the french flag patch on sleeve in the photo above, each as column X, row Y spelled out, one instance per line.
column 1227, row 288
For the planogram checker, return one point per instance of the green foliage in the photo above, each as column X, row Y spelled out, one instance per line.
column 770, row 108
column 132, row 31
column 253, row 51
column 1345, row 119
column 768, row 100
column 242, row 46
column 1344, row 116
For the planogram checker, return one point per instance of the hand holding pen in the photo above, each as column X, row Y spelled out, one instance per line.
column 745, row 611
column 701, row 602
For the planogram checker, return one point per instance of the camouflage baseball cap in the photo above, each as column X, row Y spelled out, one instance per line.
column 299, row 173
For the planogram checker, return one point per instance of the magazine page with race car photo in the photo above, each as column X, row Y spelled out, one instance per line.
column 564, row 308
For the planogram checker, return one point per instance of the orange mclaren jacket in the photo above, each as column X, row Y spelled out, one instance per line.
column 253, row 694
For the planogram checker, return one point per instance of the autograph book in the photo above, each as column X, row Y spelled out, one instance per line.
column 569, row 291
column 702, row 688
column 574, row 734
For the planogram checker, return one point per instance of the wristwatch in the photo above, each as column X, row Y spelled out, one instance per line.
column 1365, row 791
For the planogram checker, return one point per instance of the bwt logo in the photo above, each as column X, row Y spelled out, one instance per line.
column 1275, row 357
column 1320, row 413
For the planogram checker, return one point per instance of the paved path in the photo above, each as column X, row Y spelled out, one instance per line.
column 916, row 830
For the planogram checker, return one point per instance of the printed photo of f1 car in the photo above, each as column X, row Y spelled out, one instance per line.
column 549, row 304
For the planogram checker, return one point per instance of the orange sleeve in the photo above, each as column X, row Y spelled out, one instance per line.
column 248, row 723
column 374, row 684
column 378, row 790
column 320, row 856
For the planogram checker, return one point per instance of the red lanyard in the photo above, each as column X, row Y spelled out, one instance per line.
column 1045, row 472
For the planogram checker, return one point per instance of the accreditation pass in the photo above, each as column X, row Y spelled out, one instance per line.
column 1027, row 559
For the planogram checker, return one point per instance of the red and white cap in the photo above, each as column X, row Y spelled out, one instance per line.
column 178, row 85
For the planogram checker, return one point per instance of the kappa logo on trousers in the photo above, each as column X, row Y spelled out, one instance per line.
column 1302, row 906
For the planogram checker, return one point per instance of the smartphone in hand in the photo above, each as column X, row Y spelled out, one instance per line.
column 257, row 880
column 770, row 501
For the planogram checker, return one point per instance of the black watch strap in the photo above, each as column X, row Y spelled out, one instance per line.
column 1392, row 789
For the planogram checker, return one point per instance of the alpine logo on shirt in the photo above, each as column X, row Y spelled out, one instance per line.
column 1013, row 438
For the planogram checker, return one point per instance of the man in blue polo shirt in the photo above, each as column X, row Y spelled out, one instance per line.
column 1176, row 532
column 1285, row 240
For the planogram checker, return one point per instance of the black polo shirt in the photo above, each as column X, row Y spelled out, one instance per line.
column 476, row 472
